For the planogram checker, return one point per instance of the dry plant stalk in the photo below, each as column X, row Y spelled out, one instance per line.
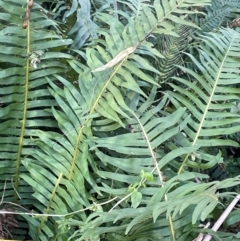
column 27, row 15
column 116, row 59
column 235, row 23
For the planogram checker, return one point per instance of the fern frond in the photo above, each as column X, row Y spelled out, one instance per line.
column 211, row 97
column 135, row 6
column 84, row 28
column 27, row 59
column 98, row 105
column 172, row 49
column 216, row 15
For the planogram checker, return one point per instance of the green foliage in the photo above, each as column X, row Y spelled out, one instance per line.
column 121, row 152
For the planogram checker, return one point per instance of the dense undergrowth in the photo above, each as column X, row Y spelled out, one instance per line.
column 119, row 120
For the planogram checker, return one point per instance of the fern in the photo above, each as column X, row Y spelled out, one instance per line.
column 24, row 91
column 84, row 27
column 216, row 15
column 96, row 147
column 210, row 111
column 135, row 6
column 172, row 48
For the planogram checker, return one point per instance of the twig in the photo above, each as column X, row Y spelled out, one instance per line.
column 4, row 188
column 160, row 174
column 27, row 15
column 200, row 236
column 151, row 151
column 120, row 201
column 15, row 190
column 57, row 215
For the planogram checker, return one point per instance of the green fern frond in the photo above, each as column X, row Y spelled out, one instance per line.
column 27, row 59
column 172, row 49
column 100, row 101
column 210, row 98
column 96, row 149
column 215, row 16
column 83, row 28
column 135, row 6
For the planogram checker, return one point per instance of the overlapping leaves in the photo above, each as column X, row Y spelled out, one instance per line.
column 23, row 91
column 112, row 140
column 211, row 95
